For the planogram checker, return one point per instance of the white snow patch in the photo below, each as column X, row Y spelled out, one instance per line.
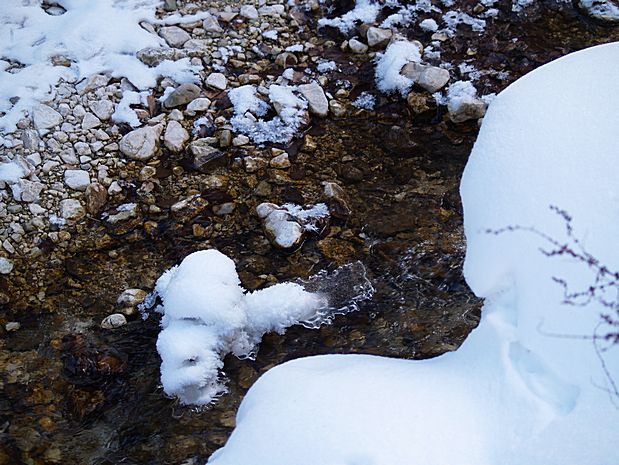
column 365, row 100
column 365, row 11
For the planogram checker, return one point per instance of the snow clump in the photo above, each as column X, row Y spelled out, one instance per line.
column 390, row 63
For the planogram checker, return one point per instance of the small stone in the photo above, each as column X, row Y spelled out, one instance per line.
column 71, row 209
column 114, row 321
column 199, row 104
column 210, row 24
column 217, row 81
column 131, row 297
column 182, row 95
column 31, row 139
column 249, row 11
column 174, row 36
column 377, row 36
column 103, row 109
column 280, row 161
column 418, row 102
column 240, row 140
column 431, row 78
column 253, row 164
column 225, row 138
column 316, row 98
column 357, row 46
column 175, row 137
column 6, row 265
column 12, row 326
column 77, row 179
column 224, row 208
column 337, row 109
column 90, row 121
column 170, row 5
column 141, row 144
column 95, row 197
column 204, row 155
column 337, row 200
column 29, row 190
column 282, row 230
column 45, row 117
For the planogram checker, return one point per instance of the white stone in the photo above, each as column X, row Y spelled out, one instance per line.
column 377, row 36
column 431, row 78
column 199, row 104
column 357, row 46
column 90, row 121
column 174, row 36
column 45, row 117
column 217, row 81
column 131, row 297
column 77, row 179
column 280, row 161
column 282, row 230
column 316, row 98
column 71, row 209
column 103, row 109
column 6, row 265
column 12, row 326
column 249, row 12
column 175, row 137
column 114, row 321
column 210, row 24
column 141, row 144
column 239, row 140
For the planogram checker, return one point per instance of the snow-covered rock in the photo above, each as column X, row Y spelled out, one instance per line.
column 463, row 103
column 388, row 68
column 532, row 384
column 431, row 78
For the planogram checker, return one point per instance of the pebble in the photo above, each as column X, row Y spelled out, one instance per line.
column 316, row 98
column 131, row 297
column 182, row 95
column 115, row 320
column 217, row 81
column 72, row 209
column 95, row 198
column 431, row 78
column 12, row 326
column 103, row 109
column 377, row 36
column 6, row 265
column 77, row 179
column 357, row 46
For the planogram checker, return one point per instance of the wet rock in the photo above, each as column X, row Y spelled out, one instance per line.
column 115, row 320
column 123, row 213
column 337, row 200
column 131, row 297
column 175, row 137
column 280, row 161
column 205, row 156
column 377, row 36
column 316, row 98
column 282, row 229
column 45, row 117
column 72, row 209
column 174, row 36
column 6, row 265
column 286, row 59
column 95, row 198
column 141, row 144
column 337, row 250
column 217, row 81
column 431, row 78
column 77, row 179
column 466, row 109
column 182, row 95
column 605, row 11
column 12, row 326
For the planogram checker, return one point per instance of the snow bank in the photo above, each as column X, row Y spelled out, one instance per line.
column 100, row 36
column 518, row 391
column 207, row 314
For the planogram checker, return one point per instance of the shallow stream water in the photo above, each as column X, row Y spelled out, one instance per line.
column 75, row 393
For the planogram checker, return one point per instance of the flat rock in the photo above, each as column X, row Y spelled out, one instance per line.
column 182, row 95
column 141, row 144
column 316, row 98
column 77, row 179
column 103, row 109
column 174, row 36
column 45, row 117
column 115, row 320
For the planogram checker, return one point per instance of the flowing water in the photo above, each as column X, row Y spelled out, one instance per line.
column 75, row 393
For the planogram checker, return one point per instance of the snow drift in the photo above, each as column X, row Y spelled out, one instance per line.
column 207, row 314
column 521, row 389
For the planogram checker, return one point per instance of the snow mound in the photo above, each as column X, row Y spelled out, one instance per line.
column 529, row 386
column 207, row 314
column 100, row 36
column 390, row 63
